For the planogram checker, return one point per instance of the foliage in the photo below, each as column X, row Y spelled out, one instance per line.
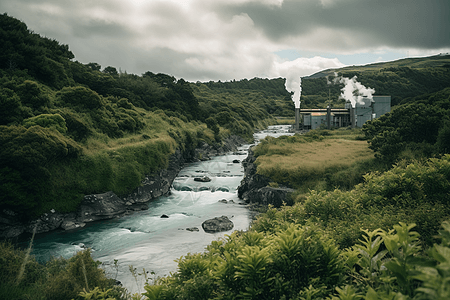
column 301, row 262
column 254, row 266
column 25, row 158
column 73, row 278
column 414, row 126
column 54, row 121
column 11, row 109
column 415, row 193
column 242, row 106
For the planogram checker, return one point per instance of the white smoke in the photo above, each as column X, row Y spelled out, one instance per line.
column 294, row 84
column 334, row 80
column 302, row 66
column 353, row 90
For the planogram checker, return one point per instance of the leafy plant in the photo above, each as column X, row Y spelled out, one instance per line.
column 435, row 279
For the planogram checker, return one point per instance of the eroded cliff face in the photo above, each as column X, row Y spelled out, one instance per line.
column 254, row 187
column 108, row 205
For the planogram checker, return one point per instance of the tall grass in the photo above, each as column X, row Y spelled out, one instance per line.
column 320, row 160
column 25, row 260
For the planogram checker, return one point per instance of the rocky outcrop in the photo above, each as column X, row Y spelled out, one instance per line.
column 254, row 187
column 108, row 205
column 9, row 224
column 217, row 224
column 269, row 195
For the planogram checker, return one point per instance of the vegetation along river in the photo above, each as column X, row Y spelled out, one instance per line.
column 144, row 240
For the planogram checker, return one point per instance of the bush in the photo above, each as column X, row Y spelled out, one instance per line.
column 10, row 107
column 54, row 121
column 25, row 158
column 80, row 96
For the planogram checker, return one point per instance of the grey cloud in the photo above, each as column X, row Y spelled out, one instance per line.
column 102, row 28
column 211, row 40
column 168, row 61
column 399, row 23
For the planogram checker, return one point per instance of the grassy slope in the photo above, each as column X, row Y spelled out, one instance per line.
column 416, row 63
column 318, row 160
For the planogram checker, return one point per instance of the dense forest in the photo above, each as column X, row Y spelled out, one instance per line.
column 69, row 129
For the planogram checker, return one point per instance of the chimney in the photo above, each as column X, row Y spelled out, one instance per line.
column 297, row 118
column 352, row 116
column 328, row 117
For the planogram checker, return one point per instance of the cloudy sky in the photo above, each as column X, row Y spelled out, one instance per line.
column 234, row 39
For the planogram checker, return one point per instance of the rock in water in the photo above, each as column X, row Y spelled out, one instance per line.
column 202, row 179
column 217, row 224
column 164, row 216
column 192, row 229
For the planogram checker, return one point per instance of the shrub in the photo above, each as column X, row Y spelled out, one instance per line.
column 82, row 97
column 54, row 121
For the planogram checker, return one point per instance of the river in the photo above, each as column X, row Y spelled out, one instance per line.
column 144, row 240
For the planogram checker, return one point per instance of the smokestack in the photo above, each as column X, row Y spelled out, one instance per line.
column 297, row 118
column 352, row 116
column 328, row 117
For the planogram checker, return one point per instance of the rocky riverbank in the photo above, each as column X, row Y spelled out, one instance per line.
column 108, row 205
column 255, row 189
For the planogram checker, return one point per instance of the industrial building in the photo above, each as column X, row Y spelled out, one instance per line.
column 368, row 109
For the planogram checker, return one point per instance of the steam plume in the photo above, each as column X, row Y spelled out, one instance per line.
column 353, row 90
column 334, row 80
column 294, row 84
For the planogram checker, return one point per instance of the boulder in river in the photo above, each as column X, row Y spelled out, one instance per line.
column 217, row 224
column 71, row 224
column 192, row 229
column 202, row 179
column 164, row 216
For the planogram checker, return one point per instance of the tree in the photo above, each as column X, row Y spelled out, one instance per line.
column 94, row 66
column 111, row 71
column 211, row 123
column 10, row 107
column 414, row 125
column 54, row 121
column 82, row 97
column 31, row 95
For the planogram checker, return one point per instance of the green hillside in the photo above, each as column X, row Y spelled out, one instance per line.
column 402, row 79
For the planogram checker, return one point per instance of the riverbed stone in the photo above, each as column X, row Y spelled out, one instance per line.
column 100, row 207
column 192, row 229
column 72, row 224
column 217, row 224
column 202, row 179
